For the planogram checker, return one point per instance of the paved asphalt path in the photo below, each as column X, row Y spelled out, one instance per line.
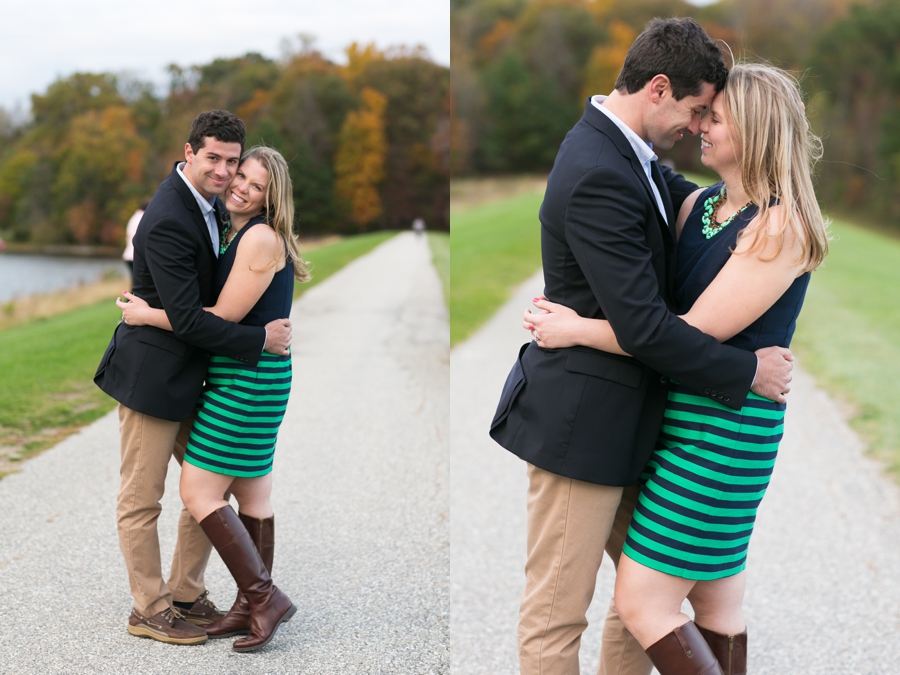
column 824, row 565
column 361, row 504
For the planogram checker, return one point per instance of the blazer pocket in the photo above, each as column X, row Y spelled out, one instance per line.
column 110, row 349
column 164, row 341
column 514, row 383
column 605, row 367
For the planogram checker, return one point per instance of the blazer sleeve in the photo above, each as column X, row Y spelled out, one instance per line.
column 171, row 254
column 605, row 230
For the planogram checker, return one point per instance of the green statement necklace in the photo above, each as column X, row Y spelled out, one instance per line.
column 224, row 241
column 711, row 208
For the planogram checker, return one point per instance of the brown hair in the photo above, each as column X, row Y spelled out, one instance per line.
column 679, row 49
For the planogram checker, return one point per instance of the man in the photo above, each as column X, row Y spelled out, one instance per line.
column 157, row 376
column 584, row 420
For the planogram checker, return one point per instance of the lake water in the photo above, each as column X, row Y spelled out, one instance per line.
column 22, row 275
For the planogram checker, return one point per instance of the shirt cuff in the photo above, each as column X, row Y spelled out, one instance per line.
column 267, row 339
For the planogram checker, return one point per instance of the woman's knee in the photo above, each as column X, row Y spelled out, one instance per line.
column 199, row 489
column 253, row 496
column 719, row 603
column 628, row 605
column 191, row 500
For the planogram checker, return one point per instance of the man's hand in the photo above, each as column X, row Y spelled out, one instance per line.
column 773, row 374
column 278, row 337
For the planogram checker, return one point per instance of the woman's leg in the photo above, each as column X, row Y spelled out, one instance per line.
column 203, row 491
column 253, row 495
column 649, row 602
column 718, row 604
column 256, row 515
column 720, row 620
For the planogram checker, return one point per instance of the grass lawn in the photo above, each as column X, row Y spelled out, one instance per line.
column 846, row 334
column 440, row 257
column 496, row 245
column 47, row 390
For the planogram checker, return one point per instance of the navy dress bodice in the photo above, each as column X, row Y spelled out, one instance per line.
column 699, row 260
column 276, row 301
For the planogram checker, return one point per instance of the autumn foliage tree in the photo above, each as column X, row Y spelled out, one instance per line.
column 523, row 69
column 99, row 175
column 359, row 165
column 96, row 144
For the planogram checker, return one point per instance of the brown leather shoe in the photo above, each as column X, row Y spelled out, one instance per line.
column 730, row 650
column 684, row 652
column 237, row 620
column 269, row 607
column 166, row 626
column 202, row 612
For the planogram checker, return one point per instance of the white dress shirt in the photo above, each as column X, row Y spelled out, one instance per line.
column 208, row 209
column 642, row 149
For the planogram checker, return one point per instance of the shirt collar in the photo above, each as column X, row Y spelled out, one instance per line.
column 642, row 149
column 205, row 204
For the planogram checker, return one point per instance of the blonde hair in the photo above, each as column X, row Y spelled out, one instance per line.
column 279, row 205
column 778, row 154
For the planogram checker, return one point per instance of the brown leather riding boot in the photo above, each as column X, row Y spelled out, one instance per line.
column 730, row 650
column 684, row 652
column 237, row 620
column 269, row 607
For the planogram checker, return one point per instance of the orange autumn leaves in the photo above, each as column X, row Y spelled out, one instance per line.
column 359, row 165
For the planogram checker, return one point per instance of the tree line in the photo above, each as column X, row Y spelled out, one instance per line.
column 523, row 69
column 367, row 142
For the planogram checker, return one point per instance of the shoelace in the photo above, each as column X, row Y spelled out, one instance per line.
column 204, row 600
column 171, row 614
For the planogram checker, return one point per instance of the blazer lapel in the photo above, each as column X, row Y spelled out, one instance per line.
column 601, row 122
column 191, row 204
column 666, row 197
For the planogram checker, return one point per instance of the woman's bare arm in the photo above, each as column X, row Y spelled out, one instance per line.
column 258, row 257
column 742, row 291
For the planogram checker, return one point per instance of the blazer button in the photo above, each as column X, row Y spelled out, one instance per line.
column 712, row 393
column 664, row 380
column 706, row 391
column 720, row 395
column 727, row 398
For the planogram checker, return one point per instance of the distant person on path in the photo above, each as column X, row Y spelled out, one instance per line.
column 232, row 444
column 418, row 226
column 130, row 229
column 157, row 376
column 586, row 421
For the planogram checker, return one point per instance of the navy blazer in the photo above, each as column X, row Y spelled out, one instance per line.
column 158, row 372
column 608, row 253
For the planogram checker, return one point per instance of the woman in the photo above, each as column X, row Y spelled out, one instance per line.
column 745, row 250
column 130, row 230
column 231, row 446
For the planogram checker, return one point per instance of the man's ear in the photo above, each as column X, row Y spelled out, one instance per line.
column 659, row 87
column 188, row 153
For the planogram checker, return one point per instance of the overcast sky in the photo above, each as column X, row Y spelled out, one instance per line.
column 46, row 39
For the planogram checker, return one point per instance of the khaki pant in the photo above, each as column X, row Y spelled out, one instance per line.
column 570, row 522
column 148, row 444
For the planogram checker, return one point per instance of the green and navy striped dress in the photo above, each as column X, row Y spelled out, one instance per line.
column 712, row 464
column 242, row 406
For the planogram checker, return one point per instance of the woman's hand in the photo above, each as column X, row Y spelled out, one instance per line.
column 134, row 309
column 555, row 328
